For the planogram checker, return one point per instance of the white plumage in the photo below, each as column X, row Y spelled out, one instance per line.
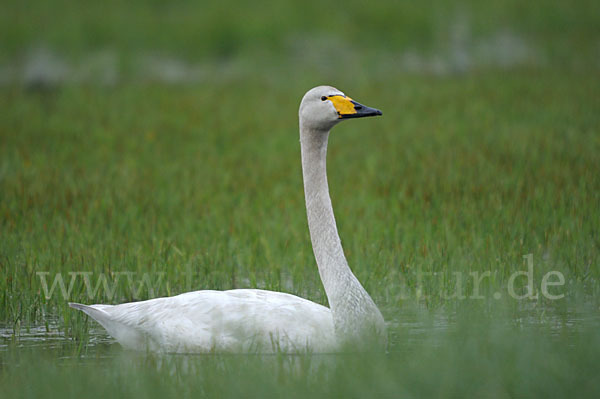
column 250, row 320
column 237, row 321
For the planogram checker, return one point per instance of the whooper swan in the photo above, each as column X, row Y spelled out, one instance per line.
column 246, row 320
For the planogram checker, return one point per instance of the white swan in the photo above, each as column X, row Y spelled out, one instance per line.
column 246, row 320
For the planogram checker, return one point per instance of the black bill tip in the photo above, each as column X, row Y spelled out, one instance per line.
column 361, row 111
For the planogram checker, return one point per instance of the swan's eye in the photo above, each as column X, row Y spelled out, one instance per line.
column 323, row 98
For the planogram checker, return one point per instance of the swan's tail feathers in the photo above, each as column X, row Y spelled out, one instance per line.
column 125, row 333
column 96, row 312
column 78, row 306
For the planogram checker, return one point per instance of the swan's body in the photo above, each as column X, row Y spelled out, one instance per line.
column 219, row 321
column 247, row 320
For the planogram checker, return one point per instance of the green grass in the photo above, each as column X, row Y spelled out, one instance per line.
column 199, row 187
column 457, row 176
column 203, row 184
column 230, row 28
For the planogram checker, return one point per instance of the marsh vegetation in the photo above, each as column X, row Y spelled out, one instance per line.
column 141, row 186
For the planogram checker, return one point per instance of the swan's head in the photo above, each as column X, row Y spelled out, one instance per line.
column 324, row 106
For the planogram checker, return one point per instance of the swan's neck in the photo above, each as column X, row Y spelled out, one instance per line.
column 352, row 308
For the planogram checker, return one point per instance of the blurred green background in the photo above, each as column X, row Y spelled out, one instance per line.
column 181, row 41
column 161, row 138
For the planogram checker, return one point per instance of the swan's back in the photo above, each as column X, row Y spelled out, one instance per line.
column 243, row 320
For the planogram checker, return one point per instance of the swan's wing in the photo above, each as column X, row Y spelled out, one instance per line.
column 203, row 321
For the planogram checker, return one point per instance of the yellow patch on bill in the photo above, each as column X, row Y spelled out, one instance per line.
column 342, row 104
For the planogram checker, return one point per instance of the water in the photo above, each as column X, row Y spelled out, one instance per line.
column 527, row 352
column 50, row 338
column 413, row 329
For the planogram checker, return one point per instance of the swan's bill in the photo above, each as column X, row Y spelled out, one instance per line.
column 348, row 108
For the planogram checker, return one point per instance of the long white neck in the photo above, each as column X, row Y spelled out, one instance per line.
column 352, row 308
